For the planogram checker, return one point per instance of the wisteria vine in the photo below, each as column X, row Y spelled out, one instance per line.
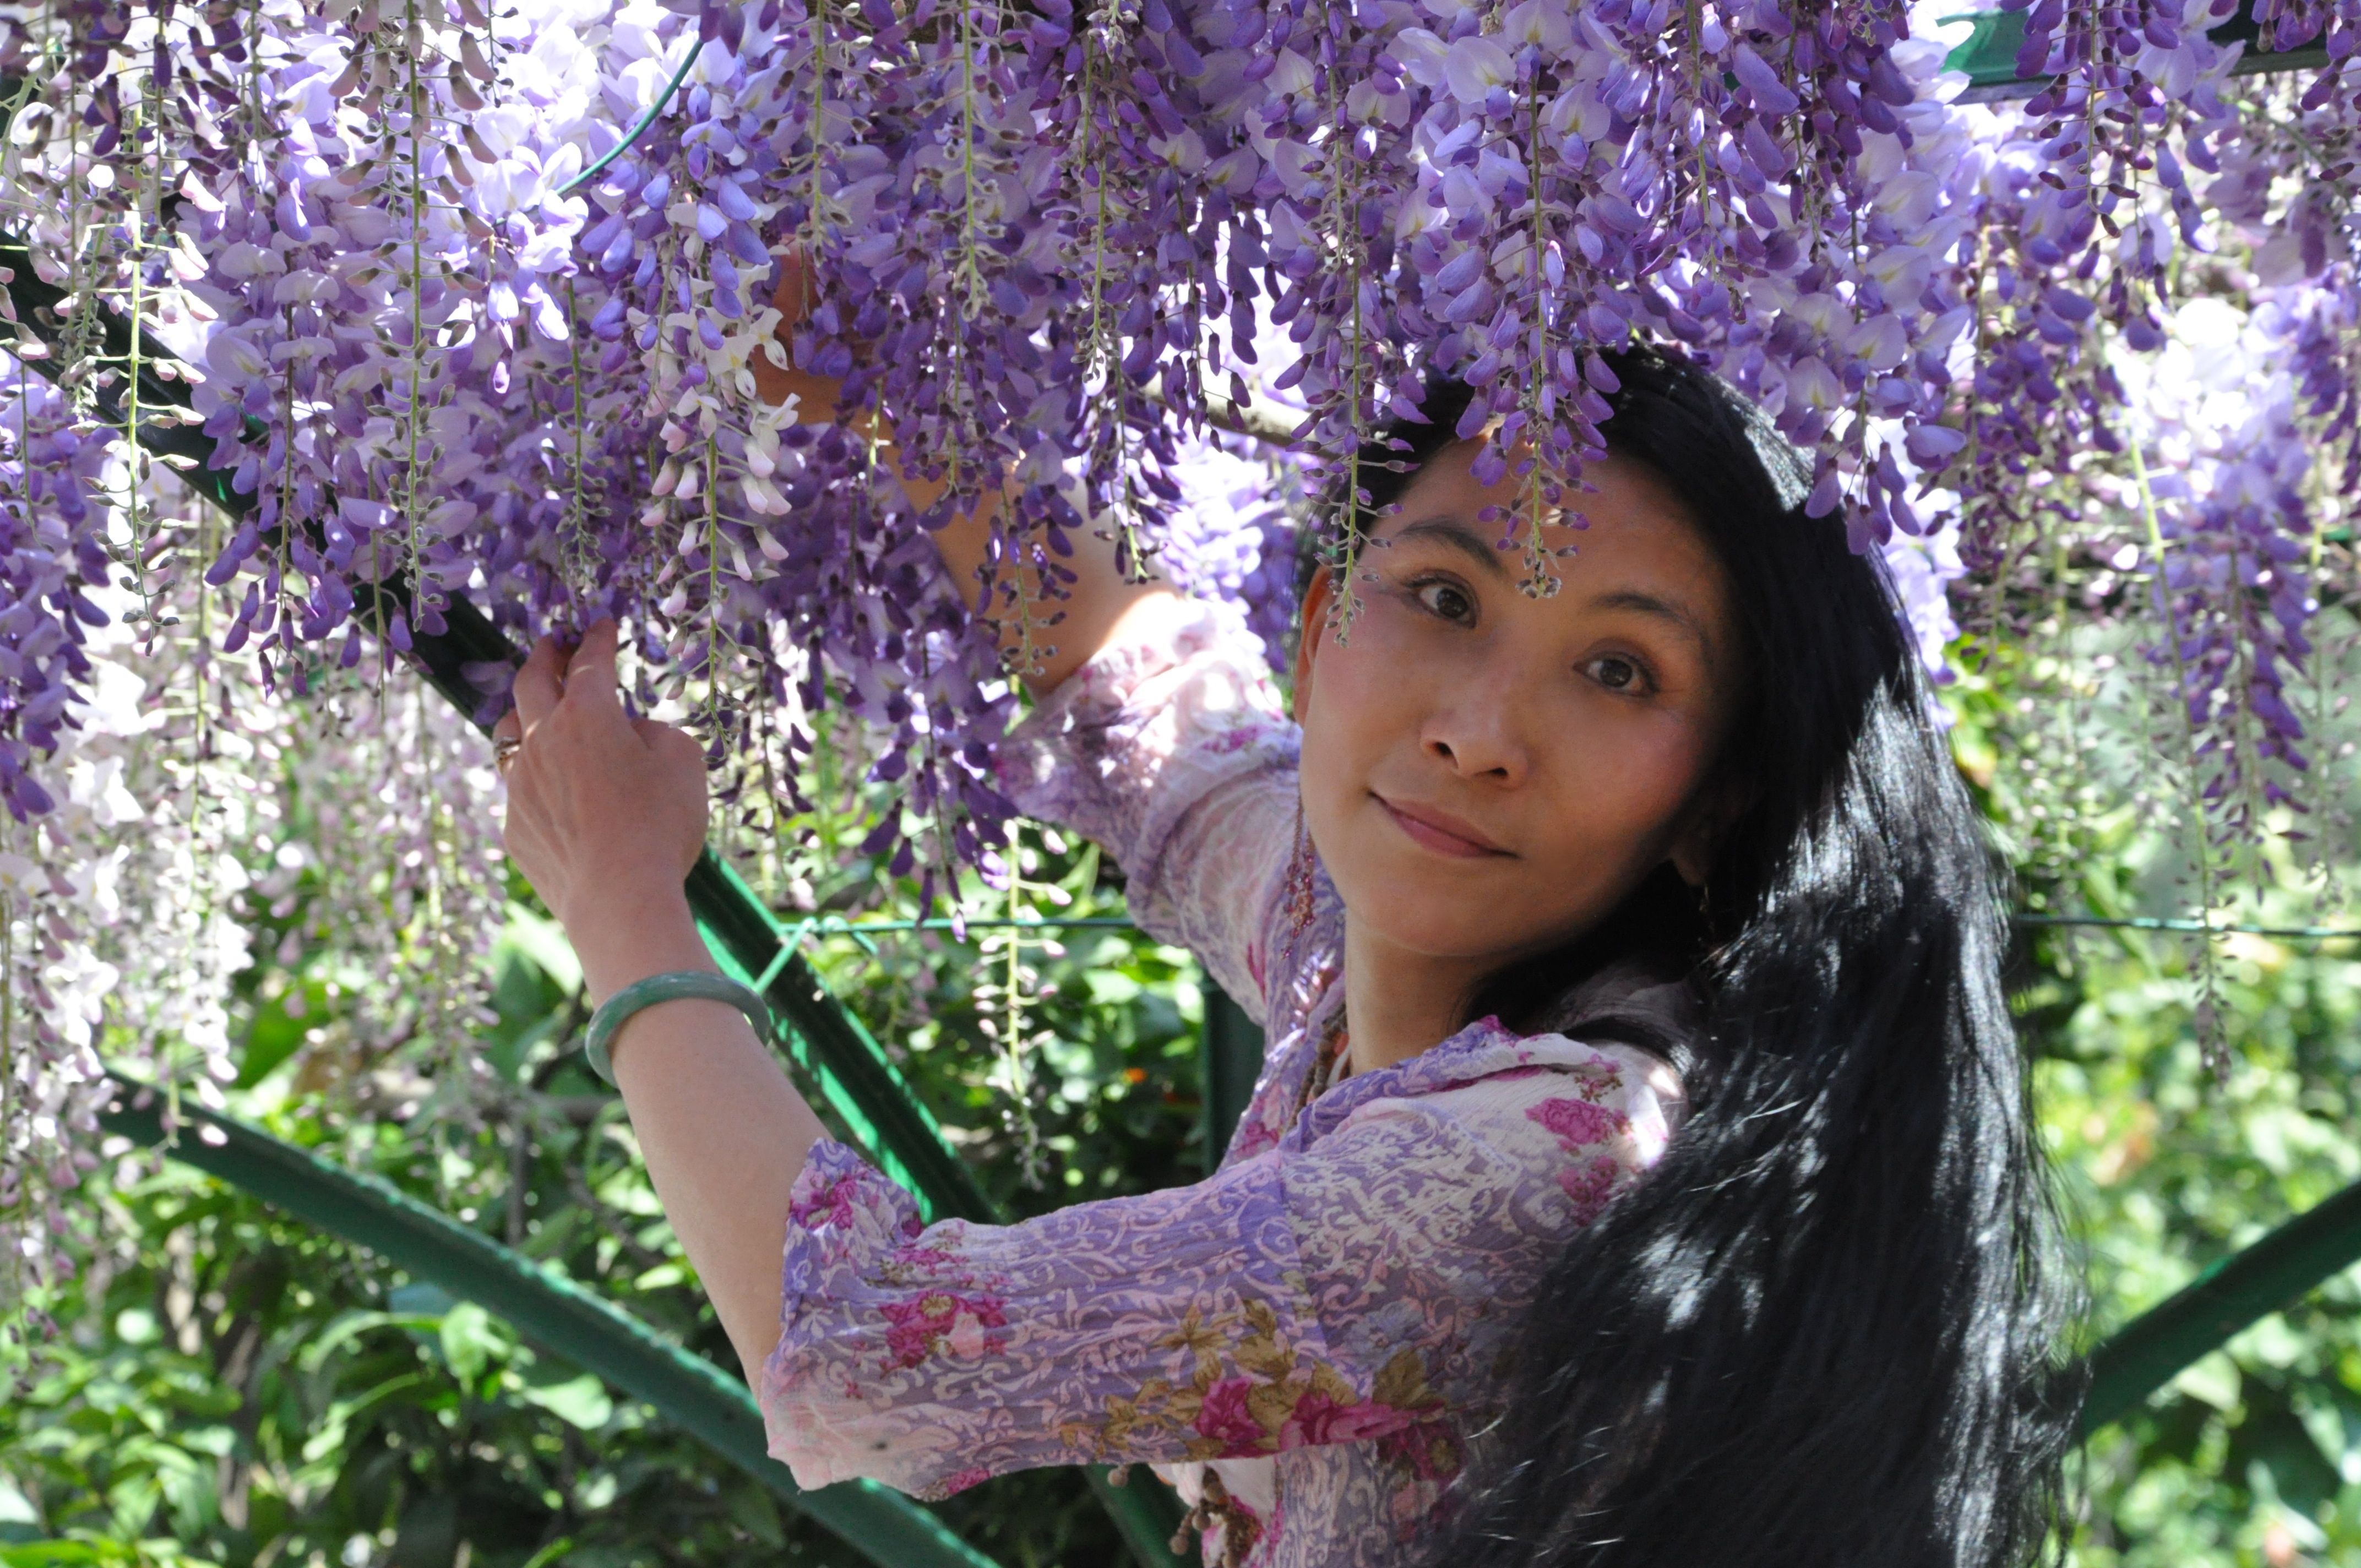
column 1159, row 267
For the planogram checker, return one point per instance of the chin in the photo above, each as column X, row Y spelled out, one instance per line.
column 1437, row 930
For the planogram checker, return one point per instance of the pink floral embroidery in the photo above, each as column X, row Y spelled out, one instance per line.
column 1318, row 1417
column 1429, row 1450
column 829, row 1203
column 1225, row 1419
column 1590, row 1185
column 960, row 1480
column 1579, row 1124
column 1430, row 1456
column 942, row 1318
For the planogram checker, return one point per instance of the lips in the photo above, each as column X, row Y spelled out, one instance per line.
column 1442, row 833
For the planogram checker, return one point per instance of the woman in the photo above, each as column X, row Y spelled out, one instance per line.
column 1640, row 1171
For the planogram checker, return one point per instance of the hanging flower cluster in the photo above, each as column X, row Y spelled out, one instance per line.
column 1049, row 241
column 2245, row 460
column 49, row 559
column 192, row 811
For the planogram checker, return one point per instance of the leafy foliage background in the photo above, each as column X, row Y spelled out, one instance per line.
column 225, row 1387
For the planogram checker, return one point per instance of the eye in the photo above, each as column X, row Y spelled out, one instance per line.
column 1447, row 599
column 1617, row 674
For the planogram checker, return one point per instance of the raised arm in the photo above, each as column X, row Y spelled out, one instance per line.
column 1096, row 602
column 605, row 816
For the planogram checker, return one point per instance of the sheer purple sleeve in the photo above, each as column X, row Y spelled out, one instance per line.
column 1170, row 749
column 1358, row 1290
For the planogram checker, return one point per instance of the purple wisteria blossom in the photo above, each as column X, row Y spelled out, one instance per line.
column 51, row 557
column 1059, row 246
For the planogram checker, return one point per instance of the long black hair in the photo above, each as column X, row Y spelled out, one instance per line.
column 1825, row 1328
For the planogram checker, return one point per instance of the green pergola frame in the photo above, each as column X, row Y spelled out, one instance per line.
column 854, row 1076
column 1988, row 55
column 546, row 1306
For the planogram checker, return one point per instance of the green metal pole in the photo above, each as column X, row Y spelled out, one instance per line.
column 1989, row 55
column 548, row 1308
column 1231, row 1060
column 851, row 1069
column 2147, row 1353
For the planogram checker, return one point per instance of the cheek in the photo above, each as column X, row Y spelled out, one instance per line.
column 1619, row 789
column 1360, row 707
column 1341, row 730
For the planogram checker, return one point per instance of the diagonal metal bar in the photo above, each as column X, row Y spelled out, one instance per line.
column 844, row 1060
column 849, row 1069
column 1989, row 54
column 547, row 1307
column 1230, row 1056
column 2252, row 1283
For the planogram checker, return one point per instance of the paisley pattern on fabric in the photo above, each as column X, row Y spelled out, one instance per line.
column 1311, row 1335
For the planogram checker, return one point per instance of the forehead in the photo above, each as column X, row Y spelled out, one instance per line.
column 1637, row 527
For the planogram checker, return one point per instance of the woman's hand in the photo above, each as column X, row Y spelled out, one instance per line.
column 1084, row 620
column 606, row 814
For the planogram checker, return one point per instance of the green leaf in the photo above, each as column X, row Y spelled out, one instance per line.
column 278, row 1033
column 216, row 1440
column 352, row 1325
column 757, row 1515
column 470, row 1339
column 2211, row 1379
column 2276, row 1441
column 48, row 1554
column 543, row 941
column 194, row 1395
column 344, row 1413
column 582, row 1400
column 555, row 1551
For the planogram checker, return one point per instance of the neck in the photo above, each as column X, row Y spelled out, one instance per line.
column 1398, row 1003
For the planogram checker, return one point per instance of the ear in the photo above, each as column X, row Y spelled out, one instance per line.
column 1312, row 620
column 1715, row 809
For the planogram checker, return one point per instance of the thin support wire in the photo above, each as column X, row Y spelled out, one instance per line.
column 835, row 925
column 639, row 126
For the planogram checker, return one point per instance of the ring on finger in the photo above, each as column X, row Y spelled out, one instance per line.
column 504, row 752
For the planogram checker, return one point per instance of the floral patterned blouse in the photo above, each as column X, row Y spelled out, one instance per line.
column 1306, row 1342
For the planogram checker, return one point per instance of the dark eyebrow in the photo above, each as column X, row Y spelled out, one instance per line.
column 1679, row 615
column 1450, row 531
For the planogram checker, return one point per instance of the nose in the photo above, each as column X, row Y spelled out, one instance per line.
column 1480, row 735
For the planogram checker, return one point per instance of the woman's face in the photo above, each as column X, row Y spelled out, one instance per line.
column 1486, row 774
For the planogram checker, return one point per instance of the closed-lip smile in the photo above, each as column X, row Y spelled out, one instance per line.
column 1440, row 831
